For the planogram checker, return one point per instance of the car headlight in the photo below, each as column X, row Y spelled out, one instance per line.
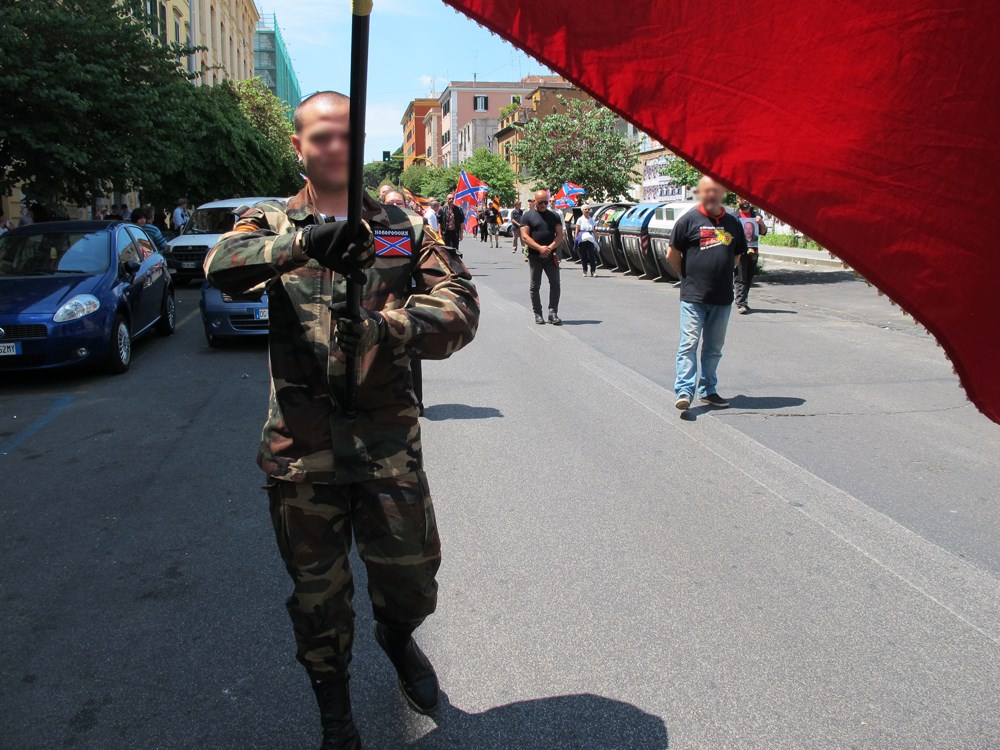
column 77, row 307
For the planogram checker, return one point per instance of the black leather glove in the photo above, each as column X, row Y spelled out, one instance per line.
column 357, row 337
column 329, row 245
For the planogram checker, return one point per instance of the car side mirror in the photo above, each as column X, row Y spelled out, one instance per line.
column 132, row 267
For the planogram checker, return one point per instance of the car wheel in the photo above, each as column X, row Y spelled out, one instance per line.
column 120, row 346
column 168, row 315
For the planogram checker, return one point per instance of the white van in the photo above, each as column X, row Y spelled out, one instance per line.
column 207, row 224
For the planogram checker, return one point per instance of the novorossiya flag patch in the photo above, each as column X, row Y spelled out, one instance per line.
column 393, row 243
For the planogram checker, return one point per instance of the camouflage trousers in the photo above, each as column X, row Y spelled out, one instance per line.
column 392, row 521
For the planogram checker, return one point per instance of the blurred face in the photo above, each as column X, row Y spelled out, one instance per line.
column 383, row 192
column 392, row 198
column 451, row 200
column 323, row 144
column 517, row 204
column 541, row 200
column 586, row 210
column 711, row 194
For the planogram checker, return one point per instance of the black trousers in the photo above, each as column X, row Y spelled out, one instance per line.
column 451, row 238
column 588, row 255
column 743, row 278
column 551, row 270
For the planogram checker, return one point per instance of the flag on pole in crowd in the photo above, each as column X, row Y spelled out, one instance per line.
column 566, row 195
column 495, row 204
column 470, row 190
column 419, row 201
column 471, row 219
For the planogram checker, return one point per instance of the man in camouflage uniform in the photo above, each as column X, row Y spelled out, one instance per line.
column 327, row 476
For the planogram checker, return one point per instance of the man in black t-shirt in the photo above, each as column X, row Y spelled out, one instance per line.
column 541, row 232
column 705, row 245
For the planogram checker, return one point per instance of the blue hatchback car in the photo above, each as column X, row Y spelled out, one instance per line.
column 78, row 292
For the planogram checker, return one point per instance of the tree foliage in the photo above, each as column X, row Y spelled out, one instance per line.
column 87, row 97
column 93, row 103
column 382, row 172
column 582, row 145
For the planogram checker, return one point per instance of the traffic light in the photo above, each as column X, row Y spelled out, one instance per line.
column 386, row 156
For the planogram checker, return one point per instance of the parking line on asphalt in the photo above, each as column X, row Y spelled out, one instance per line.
column 187, row 318
column 57, row 407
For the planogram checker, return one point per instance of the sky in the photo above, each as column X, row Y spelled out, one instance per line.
column 415, row 46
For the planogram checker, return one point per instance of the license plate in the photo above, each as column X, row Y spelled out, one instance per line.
column 10, row 348
column 260, row 314
column 189, row 264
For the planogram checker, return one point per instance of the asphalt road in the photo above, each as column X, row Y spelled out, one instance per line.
column 815, row 567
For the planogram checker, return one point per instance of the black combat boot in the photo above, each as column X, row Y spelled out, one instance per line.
column 334, row 699
column 417, row 679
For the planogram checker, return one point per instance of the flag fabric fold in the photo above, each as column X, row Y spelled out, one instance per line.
column 870, row 128
column 470, row 190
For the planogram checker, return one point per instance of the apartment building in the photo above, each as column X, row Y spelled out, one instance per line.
column 414, row 129
column 543, row 100
column 470, row 111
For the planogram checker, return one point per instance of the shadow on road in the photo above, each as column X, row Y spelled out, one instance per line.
column 745, row 403
column 441, row 412
column 770, row 311
column 586, row 722
column 582, row 322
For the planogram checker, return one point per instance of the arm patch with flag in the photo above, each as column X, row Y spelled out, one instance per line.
column 393, row 243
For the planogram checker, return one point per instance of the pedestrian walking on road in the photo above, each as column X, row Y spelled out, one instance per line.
column 482, row 223
column 493, row 224
column 515, row 225
column 542, row 232
column 705, row 245
column 330, row 478
column 753, row 229
column 452, row 222
column 586, row 242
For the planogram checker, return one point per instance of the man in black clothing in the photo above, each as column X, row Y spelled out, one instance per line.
column 753, row 229
column 706, row 244
column 515, row 224
column 541, row 232
column 450, row 222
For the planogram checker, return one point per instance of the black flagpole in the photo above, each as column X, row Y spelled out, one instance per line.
column 360, row 13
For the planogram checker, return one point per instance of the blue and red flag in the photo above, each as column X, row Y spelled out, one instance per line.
column 470, row 190
column 392, row 243
column 567, row 195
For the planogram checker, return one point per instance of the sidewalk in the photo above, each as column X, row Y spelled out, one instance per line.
column 799, row 255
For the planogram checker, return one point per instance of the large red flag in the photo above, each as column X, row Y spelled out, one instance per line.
column 871, row 127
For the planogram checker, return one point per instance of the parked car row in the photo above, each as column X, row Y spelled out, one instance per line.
column 633, row 238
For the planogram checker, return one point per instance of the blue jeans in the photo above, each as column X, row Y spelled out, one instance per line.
column 707, row 324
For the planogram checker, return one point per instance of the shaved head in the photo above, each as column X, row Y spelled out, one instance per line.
column 542, row 196
column 322, row 139
column 321, row 100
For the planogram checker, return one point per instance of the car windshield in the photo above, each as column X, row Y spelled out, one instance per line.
column 210, row 221
column 50, row 253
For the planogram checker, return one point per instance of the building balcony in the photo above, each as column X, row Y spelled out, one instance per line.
column 517, row 116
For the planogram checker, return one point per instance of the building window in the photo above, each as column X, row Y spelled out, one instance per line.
column 480, row 103
column 446, row 108
column 163, row 23
column 515, row 99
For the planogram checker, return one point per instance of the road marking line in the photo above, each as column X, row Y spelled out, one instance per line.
column 187, row 318
column 967, row 592
column 57, row 407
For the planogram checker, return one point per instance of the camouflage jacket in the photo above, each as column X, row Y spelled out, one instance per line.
column 431, row 310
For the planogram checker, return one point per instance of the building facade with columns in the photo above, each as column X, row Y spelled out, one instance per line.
column 226, row 29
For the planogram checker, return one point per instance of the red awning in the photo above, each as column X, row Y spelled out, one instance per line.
column 874, row 128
